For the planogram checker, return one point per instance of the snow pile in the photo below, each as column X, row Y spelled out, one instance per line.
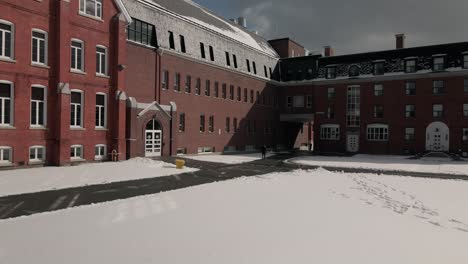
column 49, row 178
column 297, row 217
column 228, row 159
column 387, row 162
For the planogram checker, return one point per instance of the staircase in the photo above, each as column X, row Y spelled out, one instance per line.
column 438, row 154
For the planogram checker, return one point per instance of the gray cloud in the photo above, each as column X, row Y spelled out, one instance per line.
column 356, row 26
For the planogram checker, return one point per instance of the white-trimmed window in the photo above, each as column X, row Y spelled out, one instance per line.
column 410, row 65
column 5, row 155
column 177, row 82
column 77, row 55
column 410, row 88
column 409, row 134
column 437, row 110
column 331, row 93
column 6, row 103
column 38, row 106
column 438, row 63
column 76, row 152
column 91, row 8
column 410, row 111
column 100, row 152
column 331, row 72
column 165, row 80
column 378, row 90
column 377, row 132
column 101, row 60
column 101, row 110
column 465, row 134
column 36, row 154
column 76, row 112
column 39, row 47
column 438, row 87
column 7, row 39
column 465, row 61
column 465, row 110
column 330, row 132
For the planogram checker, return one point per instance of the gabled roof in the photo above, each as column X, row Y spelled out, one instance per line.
column 123, row 11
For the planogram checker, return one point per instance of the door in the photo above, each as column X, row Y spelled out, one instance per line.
column 352, row 143
column 153, row 139
column 437, row 137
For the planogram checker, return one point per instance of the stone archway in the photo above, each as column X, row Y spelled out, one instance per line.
column 153, row 138
column 437, row 137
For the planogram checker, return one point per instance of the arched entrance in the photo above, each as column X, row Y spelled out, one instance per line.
column 153, row 139
column 437, row 137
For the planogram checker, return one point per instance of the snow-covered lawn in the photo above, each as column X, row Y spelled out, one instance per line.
column 297, row 217
column 227, row 159
column 386, row 162
column 49, row 178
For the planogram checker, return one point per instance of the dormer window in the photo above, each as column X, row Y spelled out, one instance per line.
column 379, row 68
column 465, row 60
column 438, row 63
column 353, row 71
column 331, row 72
column 410, row 65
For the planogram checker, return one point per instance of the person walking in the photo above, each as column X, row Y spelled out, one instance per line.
column 264, row 150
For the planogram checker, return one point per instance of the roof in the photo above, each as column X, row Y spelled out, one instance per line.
column 205, row 18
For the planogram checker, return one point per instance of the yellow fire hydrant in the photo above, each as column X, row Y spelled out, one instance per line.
column 180, row 164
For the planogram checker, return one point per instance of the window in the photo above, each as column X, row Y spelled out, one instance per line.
column 377, row 132
column 465, row 134
column 171, row 40
column 409, row 134
column 465, row 110
column 182, row 122
column 465, row 86
column 378, row 111
column 410, row 88
column 36, row 154
column 38, row 106
column 330, row 132
column 378, row 90
column 438, row 63
column 91, row 8
column 331, row 72
column 298, row 101
column 165, row 80
column 251, row 96
column 465, row 61
column 258, row 98
column 188, row 84
column 309, row 101
column 5, row 155
column 202, row 50
column 289, row 102
column 410, row 111
column 141, row 32
column 353, row 112
column 207, row 88
column 39, row 47
column 231, row 92
column 211, row 124
column 234, row 124
column 77, row 55
column 331, row 93
column 248, row 65
column 6, row 39
column 437, row 110
column 379, row 68
column 100, row 152
column 234, row 60
column 101, row 111
column 202, row 123
column 76, row 109
column 331, row 112
column 182, row 43
column 438, row 87
column 228, row 125
column 254, row 67
column 76, row 152
column 197, row 86
column 239, row 94
column 228, row 59
column 101, row 60
column 353, row 71
column 177, row 82
column 212, row 58
column 410, row 66
column 271, row 72
column 224, row 91
column 6, row 103
column 216, row 89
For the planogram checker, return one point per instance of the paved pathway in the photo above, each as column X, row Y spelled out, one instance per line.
column 28, row 204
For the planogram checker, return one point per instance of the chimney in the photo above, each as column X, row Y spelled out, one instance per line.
column 400, row 41
column 328, row 51
column 233, row 20
column 242, row 22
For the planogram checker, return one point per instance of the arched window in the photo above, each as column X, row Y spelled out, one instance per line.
column 153, row 125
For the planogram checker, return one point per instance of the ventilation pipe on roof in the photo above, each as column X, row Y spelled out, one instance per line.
column 233, row 20
column 241, row 21
column 328, row 51
column 400, row 41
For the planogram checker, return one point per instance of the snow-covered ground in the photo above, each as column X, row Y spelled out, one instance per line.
column 227, row 159
column 387, row 162
column 297, row 217
column 50, row 178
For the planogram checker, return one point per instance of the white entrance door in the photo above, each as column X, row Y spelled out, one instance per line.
column 437, row 137
column 352, row 143
column 153, row 139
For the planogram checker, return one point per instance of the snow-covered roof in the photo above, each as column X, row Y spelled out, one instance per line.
column 207, row 19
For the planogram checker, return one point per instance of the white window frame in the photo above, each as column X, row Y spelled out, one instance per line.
column 97, row 3
column 82, row 108
column 165, row 80
column 44, row 88
column 12, row 41
column 410, row 136
column 410, row 68
column 36, row 160
column 100, row 157
column 74, row 157
column 10, row 160
column 99, row 70
column 373, row 133
column 378, row 89
column 330, row 132
column 435, row 109
column 74, row 50
column 12, row 104
column 331, row 93
column 465, row 110
column 46, row 47
column 434, row 68
column 105, row 111
column 465, row 60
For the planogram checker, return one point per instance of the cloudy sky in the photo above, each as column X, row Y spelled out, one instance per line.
column 351, row 26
